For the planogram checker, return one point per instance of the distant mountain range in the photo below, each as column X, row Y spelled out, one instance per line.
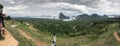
column 63, row 16
column 84, row 16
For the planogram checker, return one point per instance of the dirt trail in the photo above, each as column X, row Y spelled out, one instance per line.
column 9, row 40
column 32, row 28
column 115, row 34
column 38, row 43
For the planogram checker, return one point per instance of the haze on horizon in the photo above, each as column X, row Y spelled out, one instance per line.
column 54, row 7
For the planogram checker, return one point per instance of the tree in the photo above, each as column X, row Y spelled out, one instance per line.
column 1, row 6
column 8, row 17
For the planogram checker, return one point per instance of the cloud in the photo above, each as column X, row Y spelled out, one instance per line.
column 109, row 7
column 54, row 7
column 49, row 7
column 65, row 6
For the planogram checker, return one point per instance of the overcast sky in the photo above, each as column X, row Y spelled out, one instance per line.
column 54, row 7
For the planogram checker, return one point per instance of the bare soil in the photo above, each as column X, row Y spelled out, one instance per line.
column 9, row 40
column 38, row 43
column 115, row 34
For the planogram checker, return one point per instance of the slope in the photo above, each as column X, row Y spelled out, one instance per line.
column 9, row 40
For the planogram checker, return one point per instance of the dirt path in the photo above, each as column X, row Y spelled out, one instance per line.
column 9, row 40
column 32, row 28
column 115, row 34
column 38, row 43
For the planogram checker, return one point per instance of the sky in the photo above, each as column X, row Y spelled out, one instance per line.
column 54, row 7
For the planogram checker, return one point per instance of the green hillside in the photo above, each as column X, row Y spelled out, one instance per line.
column 98, row 34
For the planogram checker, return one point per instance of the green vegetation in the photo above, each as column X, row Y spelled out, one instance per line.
column 42, row 36
column 86, row 32
column 68, row 28
column 22, row 40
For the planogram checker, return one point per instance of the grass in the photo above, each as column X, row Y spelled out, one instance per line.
column 47, row 37
column 42, row 36
column 105, row 39
column 22, row 40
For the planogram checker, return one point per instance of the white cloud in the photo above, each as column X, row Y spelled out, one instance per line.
column 46, row 8
column 15, row 7
column 109, row 7
column 62, row 5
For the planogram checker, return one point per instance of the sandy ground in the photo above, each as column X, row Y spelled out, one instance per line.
column 115, row 34
column 9, row 40
column 38, row 43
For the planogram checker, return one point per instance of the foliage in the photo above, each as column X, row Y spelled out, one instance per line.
column 22, row 40
column 68, row 28
column 93, row 32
